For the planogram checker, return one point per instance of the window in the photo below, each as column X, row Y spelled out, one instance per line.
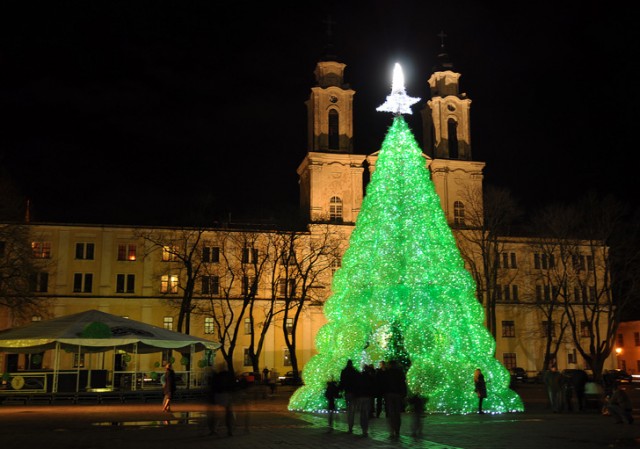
column 36, row 318
column 544, row 261
column 127, row 251
column 580, row 293
column 509, row 360
column 286, row 288
column 169, row 253
column 83, row 282
column 248, row 286
column 209, row 326
column 585, row 329
column 548, row 328
column 249, row 255
column 543, row 293
column 246, row 360
column 506, row 293
column 507, row 260
column 41, row 250
column 167, row 323
column 335, row 209
column 334, row 130
column 452, row 128
column 84, row 251
column 458, row 213
column 39, row 282
column 592, row 294
column 578, row 262
column 508, row 329
column 620, row 340
column 169, row 283
column 288, row 327
column 286, row 357
column 247, row 326
column 210, row 285
column 125, row 283
column 590, row 263
column 288, row 258
column 636, row 338
column 572, row 357
column 210, row 254
column 335, row 264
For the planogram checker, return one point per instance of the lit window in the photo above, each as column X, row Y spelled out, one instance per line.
column 167, row 323
column 169, row 253
column 209, row 326
column 85, row 251
column 127, row 251
column 247, row 326
column 246, row 359
column 41, row 250
column 36, row 318
column 169, row 283
column 288, row 327
column 286, row 357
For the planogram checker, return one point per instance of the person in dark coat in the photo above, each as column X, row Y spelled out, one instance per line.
column 223, row 386
column 395, row 392
column 553, row 383
column 480, row 387
column 575, row 383
column 168, row 388
column 332, row 392
column 348, row 384
column 364, row 395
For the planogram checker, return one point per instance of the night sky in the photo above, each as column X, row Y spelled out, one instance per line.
column 136, row 112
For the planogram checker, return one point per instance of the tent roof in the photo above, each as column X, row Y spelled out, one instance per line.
column 96, row 331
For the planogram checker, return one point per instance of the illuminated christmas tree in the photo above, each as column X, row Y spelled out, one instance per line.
column 403, row 292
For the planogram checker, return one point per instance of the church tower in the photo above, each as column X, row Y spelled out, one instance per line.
column 447, row 142
column 330, row 175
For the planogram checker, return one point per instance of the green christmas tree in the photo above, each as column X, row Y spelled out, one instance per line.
column 403, row 291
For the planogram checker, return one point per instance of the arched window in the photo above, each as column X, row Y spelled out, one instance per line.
column 334, row 130
column 458, row 213
column 453, row 139
column 335, row 209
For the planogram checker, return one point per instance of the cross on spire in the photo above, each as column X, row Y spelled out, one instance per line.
column 329, row 22
column 441, row 35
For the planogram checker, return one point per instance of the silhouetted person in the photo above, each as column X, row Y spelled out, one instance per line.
column 480, row 387
column 417, row 404
column 619, row 405
column 553, row 383
column 332, row 392
column 575, row 382
column 395, row 391
column 168, row 388
column 222, row 387
column 348, row 384
column 365, row 390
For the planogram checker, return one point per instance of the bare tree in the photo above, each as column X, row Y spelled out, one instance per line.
column 593, row 243
column 482, row 237
column 310, row 259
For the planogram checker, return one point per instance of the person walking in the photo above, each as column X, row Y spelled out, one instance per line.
column 379, row 398
column 553, row 383
column 348, row 384
column 223, row 386
column 332, row 392
column 169, row 387
column 619, row 405
column 364, row 394
column 395, row 392
column 480, row 387
column 417, row 404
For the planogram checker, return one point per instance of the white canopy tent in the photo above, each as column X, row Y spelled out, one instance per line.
column 95, row 331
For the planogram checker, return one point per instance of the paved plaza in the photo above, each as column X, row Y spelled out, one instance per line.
column 264, row 422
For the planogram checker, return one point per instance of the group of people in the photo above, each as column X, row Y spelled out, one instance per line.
column 369, row 392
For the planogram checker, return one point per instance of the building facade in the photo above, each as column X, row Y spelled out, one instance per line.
column 141, row 273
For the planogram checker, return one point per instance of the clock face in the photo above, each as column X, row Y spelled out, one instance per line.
column 333, row 99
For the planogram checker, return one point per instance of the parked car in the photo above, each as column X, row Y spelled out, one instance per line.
column 519, row 374
column 247, row 378
column 290, row 379
column 618, row 375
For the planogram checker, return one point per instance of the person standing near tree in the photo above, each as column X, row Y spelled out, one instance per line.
column 332, row 392
column 395, row 392
column 480, row 387
column 348, row 384
column 169, row 387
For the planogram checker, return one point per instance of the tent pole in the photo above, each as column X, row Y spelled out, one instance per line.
column 134, row 383
column 78, row 370
column 56, row 367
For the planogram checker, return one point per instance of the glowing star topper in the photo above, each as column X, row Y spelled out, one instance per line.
column 398, row 102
